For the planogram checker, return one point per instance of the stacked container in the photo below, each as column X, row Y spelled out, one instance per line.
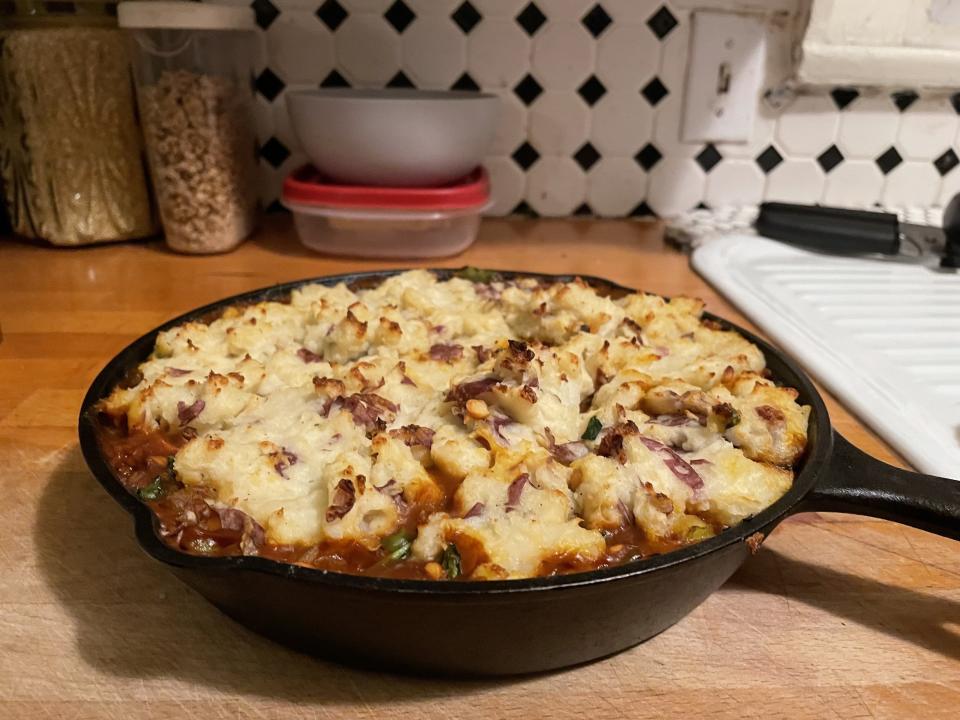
column 388, row 222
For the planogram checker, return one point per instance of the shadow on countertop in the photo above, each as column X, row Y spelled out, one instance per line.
column 910, row 615
column 134, row 619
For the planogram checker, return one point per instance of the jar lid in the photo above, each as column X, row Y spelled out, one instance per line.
column 308, row 187
column 184, row 15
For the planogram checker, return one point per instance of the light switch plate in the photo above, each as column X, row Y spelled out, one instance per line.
column 725, row 72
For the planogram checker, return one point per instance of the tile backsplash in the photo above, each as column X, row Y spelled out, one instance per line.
column 591, row 105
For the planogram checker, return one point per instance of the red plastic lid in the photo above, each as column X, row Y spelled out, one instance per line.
column 309, row 187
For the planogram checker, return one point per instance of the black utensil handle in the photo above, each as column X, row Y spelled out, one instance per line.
column 835, row 230
column 857, row 483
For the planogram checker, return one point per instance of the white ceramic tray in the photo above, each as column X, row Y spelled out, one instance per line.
column 884, row 337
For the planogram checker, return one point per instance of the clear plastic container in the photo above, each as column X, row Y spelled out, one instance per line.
column 192, row 66
column 380, row 222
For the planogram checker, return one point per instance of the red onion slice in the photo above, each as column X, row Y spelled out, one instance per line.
column 186, row 413
column 676, row 464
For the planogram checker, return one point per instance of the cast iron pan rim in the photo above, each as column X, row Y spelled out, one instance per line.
column 820, row 445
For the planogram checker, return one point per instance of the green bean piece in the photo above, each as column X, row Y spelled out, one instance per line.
column 450, row 561
column 153, row 491
column 593, row 429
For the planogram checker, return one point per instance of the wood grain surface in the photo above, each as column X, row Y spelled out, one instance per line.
column 837, row 617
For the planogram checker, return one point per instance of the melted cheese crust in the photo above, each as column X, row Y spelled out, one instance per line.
column 298, row 413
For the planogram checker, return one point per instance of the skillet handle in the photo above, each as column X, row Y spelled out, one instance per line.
column 855, row 482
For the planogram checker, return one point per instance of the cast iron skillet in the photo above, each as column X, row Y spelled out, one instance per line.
column 515, row 626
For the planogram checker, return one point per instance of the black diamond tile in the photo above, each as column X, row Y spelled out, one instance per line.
column 955, row 101
column 466, row 17
column 524, row 209
column 643, row 210
column 843, row 96
column 265, row 11
column 708, row 157
column 334, row 80
column 654, row 91
column 946, row 162
column 596, row 21
column 465, row 82
column 531, row 19
column 592, row 90
column 583, row 210
column 268, row 84
column 400, row 80
column 276, row 207
column 399, row 15
column 332, row 14
column 830, row 158
column 274, row 152
column 648, row 157
column 904, row 99
column 525, row 156
column 586, row 156
column 769, row 159
column 662, row 22
column 528, row 89
column 889, row 160
column 702, row 206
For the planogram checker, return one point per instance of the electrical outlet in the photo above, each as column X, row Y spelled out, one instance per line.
column 725, row 70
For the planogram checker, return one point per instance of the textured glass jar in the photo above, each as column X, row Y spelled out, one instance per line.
column 71, row 155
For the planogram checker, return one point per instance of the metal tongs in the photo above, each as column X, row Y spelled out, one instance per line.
column 864, row 233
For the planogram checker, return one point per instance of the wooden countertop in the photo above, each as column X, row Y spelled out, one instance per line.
column 837, row 616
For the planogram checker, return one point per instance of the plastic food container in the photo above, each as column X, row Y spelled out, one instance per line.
column 382, row 222
column 192, row 67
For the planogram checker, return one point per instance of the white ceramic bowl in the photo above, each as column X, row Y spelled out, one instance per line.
column 393, row 137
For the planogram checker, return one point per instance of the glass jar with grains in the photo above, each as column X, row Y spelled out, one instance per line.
column 71, row 155
column 192, row 66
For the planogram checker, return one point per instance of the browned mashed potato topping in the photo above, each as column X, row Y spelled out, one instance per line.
column 468, row 428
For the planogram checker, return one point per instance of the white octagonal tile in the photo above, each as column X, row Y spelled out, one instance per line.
column 627, row 56
column 511, row 125
column 633, row 11
column 622, row 122
column 799, row 181
column 927, row 128
column 675, row 186
column 507, row 184
column 356, row 6
column 300, row 47
column 434, row 52
column 562, row 55
column 496, row 8
column 615, row 186
column 498, row 53
column 854, row 184
column 868, row 127
column 949, row 186
column 912, row 184
column 734, row 182
column 808, row 126
column 559, row 123
column 555, row 186
column 571, row 10
column 368, row 49
column 431, row 7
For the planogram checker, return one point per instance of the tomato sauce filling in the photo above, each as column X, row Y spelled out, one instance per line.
column 144, row 464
